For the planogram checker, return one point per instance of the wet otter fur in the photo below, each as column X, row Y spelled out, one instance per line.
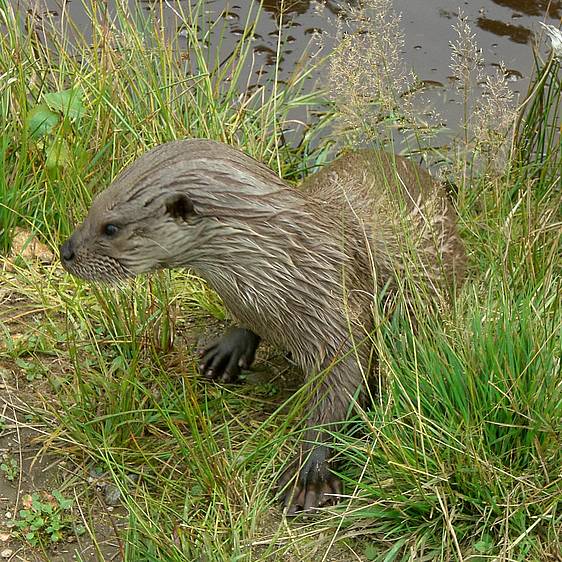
column 298, row 267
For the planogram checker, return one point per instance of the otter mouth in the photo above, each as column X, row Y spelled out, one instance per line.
column 106, row 273
column 97, row 268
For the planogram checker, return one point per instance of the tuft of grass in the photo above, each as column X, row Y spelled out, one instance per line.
column 463, row 446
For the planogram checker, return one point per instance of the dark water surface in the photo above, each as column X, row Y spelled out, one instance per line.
column 505, row 30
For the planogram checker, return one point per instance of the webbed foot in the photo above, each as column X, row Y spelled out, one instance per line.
column 223, row 360
column 308, row 483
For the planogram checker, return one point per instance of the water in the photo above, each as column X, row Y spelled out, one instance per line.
column 505, row 30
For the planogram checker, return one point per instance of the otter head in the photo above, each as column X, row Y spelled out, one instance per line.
column 145, row 220
column 126, row 234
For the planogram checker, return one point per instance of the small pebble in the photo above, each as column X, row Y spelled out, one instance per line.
column 8, row 515
column 112, row 495
column 6, row 553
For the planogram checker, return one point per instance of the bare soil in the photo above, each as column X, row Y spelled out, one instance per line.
column 37, row 468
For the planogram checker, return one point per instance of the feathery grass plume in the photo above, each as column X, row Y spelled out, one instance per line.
column 489, row 112
column 366, row 73
column 492, row 121
column 466, row 66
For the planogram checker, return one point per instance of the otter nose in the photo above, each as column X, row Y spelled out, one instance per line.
column 67, row 251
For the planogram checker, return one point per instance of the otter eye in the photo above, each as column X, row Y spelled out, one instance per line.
column 110, row 229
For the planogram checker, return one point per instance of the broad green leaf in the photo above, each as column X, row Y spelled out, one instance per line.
column 58, row 154
column 63, row 502
column 67, row 102
column 40, row 121
column 485, row 545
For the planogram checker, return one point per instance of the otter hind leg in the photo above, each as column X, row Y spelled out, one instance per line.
column 309, row 482
column 224, row 359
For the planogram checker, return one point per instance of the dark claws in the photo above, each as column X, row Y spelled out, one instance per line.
column 308, row 486
column 223, row 360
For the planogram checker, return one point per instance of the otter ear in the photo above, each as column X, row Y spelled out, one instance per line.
column 179, row 206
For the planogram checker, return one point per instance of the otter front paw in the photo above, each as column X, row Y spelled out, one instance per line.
column 224, row 359
column 308, row 483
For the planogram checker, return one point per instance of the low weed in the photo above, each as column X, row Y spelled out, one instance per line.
column 10, row 468
column 45, row 518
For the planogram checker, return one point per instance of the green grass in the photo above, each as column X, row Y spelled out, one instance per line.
column 457, row 457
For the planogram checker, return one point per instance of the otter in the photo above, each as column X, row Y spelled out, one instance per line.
column 297, row 267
